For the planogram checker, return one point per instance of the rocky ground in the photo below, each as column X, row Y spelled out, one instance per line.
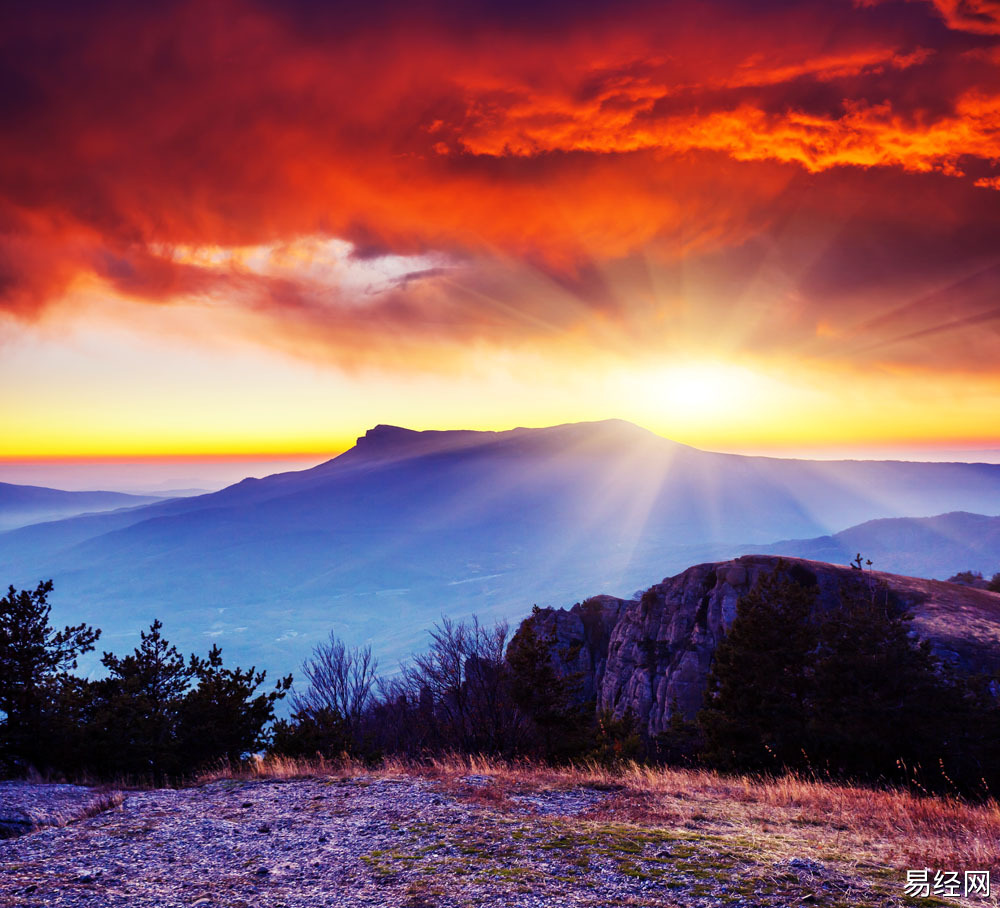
column 395, row 841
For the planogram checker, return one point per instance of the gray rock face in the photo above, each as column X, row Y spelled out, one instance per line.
column 652, row 657
column 581, row 637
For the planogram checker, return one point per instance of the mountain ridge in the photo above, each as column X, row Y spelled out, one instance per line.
column 930, row 546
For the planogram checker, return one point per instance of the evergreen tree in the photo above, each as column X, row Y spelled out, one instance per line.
column 756, row 709
column 35, row 665
column 560, row 728
column 847, row 691
column 973, row 730
column 155, row 715
column 879, row 698
column 223, row 717
column 159, row 716
column 136, row 720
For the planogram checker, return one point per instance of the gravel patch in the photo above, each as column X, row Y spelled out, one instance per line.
column 561, row 802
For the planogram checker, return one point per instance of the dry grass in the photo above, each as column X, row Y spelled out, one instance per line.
column 781, row 817
column 286, row 768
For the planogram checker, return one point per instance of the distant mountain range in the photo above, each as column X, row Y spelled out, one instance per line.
column 922, row 546
column 23, row 505
column 405, row 526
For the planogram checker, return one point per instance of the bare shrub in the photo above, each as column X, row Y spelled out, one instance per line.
column 341, row 681
column 459, row 688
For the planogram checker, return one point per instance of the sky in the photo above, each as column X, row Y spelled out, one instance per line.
column 254, row 229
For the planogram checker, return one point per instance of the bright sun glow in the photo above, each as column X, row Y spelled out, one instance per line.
column 696, row 387
column 698, row 394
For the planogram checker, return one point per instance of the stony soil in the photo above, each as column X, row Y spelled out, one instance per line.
column 398, row 841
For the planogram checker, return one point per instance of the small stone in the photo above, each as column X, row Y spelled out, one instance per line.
column 261, row 871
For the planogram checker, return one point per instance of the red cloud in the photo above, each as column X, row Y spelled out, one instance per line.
column 981, row 16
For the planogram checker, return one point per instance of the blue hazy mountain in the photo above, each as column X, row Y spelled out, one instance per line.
column 936, row 547
column 406, row 526
column 22, row 505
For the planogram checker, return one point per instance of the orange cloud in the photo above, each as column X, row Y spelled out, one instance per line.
column 861, row 133
column 865, row 136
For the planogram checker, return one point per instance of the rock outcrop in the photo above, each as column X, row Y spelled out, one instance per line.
column 581, row 636
column 652, row 657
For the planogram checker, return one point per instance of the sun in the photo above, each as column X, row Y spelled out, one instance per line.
column 712, row 400
column 695, row 388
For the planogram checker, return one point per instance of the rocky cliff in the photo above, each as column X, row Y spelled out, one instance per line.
column 652, row 656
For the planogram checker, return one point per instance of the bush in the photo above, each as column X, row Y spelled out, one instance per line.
column 319, row 732
column 331, row 710
column 683, row 741
column 470, row 692
column 615, row 740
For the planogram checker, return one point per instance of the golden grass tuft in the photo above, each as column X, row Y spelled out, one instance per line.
column 284, row 768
